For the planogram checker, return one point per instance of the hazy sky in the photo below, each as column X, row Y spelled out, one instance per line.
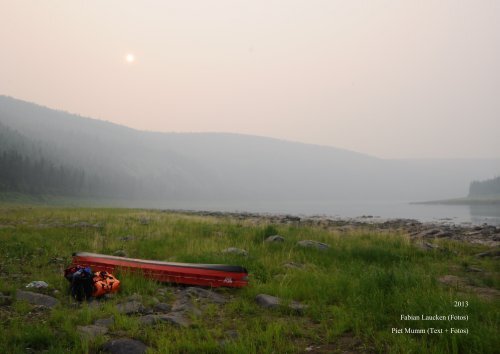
column 398, row 78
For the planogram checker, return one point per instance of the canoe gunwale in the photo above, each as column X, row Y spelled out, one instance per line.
column 212, row 275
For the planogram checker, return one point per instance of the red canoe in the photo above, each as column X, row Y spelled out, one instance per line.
column 213, row 275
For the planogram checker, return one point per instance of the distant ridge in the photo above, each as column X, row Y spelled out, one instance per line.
column 142, row 165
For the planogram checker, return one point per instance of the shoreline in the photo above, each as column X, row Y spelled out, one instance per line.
column 487, row 235
column 461, row 201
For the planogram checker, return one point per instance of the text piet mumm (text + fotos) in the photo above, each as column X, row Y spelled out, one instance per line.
column 432, row 330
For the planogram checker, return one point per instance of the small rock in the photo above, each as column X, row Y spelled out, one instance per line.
column 492, row 253
column 430, row 232
column 120, row 253
column 130, row 307
column 5, row 299
column 291, row 218
column 488, row 229
column 105, row 322
column 38, row 284
column 275, row 238
column 230, row 335
column 205, row 294
column 272, row 302
column 428, row 246
column 233, row 334
column 235, row 250
column 91, row 331
column 313, row 244
column 127, row 238
column 443, row 233
column 148, row 311
column 185, row 305
column 162, row 291
column 474, row 269
column 57, row 260
column 297, row 307
column 124, row 346
column 162, row 307
column 267, row 301
column 177, row 319
column 149, row 320
column 37, row 299
column 293, row 265
column 135, row 297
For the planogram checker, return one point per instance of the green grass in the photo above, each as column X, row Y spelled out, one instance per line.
column 359, row 287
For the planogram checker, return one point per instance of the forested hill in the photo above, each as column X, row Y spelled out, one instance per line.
column 28, row 167
column 49, row 151
column 487, row 188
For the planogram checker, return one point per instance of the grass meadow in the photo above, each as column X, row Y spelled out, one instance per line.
column 356, row 291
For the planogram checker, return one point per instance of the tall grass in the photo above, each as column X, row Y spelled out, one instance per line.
column 360, row 286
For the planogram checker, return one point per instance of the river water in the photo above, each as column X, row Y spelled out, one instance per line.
column 456, row 214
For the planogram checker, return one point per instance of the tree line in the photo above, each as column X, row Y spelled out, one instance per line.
column 20, row 173
column 489, row 187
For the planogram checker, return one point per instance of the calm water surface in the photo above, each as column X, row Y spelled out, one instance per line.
column 457, row 214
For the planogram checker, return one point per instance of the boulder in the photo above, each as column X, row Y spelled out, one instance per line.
column 37, row 299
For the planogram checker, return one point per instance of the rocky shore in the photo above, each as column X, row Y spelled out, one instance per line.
column 488, row 235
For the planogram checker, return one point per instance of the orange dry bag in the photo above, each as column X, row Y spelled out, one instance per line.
column 105, row 283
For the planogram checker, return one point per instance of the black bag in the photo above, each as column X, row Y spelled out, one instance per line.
column 82, row 282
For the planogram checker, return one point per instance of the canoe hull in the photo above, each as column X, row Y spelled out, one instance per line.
column 211, row 275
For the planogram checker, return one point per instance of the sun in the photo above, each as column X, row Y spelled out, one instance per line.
column 130, row 58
